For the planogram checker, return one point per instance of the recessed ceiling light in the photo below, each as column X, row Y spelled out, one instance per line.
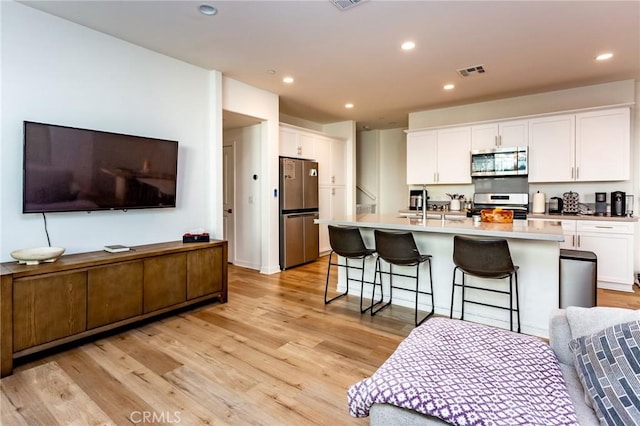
column 604, row 56
column 408, row 45
column 207, row 9
column 271, row 72
column 349, row 105
column 287, row 80
column 448, row 86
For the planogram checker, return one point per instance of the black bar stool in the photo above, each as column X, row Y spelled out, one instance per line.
column 399, row 248
column 346, row 241
column 485, row 258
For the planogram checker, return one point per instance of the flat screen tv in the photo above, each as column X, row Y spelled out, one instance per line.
column 69, row 169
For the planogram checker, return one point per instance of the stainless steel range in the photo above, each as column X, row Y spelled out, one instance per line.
column 518, row 202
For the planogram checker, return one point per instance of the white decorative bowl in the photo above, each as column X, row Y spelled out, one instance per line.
column 34, row 256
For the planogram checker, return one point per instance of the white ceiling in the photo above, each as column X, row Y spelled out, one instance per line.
column 339, row 56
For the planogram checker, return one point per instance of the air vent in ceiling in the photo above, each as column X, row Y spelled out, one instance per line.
column 468, row 71
column 346, row 4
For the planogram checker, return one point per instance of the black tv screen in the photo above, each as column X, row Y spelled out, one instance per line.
column 70, row 169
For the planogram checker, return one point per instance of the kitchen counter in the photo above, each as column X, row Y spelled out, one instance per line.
column 436, row 214
column 581, row 217
column 457, row 224
column 534, row 247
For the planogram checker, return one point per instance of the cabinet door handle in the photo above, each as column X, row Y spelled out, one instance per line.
column 333, row 191
column 604, row 227
column 497, row 141
column 573, row 241
column 333, row 179
column 572, row 169
column 578, row 240
column 577, row 173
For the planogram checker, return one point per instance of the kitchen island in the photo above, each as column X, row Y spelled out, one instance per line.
column 534, row 248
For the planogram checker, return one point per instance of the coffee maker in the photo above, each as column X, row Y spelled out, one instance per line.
column 618, row 203
column 601, row 203
column 415, row 199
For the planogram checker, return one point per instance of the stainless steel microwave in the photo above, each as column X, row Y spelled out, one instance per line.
column 510, row 161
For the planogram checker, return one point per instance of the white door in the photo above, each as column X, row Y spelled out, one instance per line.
column 228, row 191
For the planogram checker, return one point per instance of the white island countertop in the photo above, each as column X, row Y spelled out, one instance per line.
column 455, row 224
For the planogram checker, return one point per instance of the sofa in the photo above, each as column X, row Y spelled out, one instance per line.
column 565, row 326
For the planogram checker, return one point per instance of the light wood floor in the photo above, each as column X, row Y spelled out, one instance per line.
column 273, row 355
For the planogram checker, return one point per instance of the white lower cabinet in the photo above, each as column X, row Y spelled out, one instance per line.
column 612, row 242
column 331, row 203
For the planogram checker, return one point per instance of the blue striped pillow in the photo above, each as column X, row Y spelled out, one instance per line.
column 608, row 364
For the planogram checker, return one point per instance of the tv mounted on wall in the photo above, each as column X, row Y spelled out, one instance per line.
column 69, row 169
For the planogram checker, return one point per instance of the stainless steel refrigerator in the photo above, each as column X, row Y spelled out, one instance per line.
column 298, row 209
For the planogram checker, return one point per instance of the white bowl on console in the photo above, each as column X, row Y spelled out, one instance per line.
column 37, row 255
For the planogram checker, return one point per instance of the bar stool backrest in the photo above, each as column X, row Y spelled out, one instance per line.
column 487, row 258
column 398, row 248
column 347, row 241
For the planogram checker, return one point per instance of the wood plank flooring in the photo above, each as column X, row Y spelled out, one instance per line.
column 273, row 355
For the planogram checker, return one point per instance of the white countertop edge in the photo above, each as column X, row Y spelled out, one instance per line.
column 550, row 231
column 530, row 215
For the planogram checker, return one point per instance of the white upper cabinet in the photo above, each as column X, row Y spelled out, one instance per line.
column 296, row 144
column 603, row 145
column 584, row 147
column 439, row 156
column 421, row 157
column 551, row 148
column 330, row 154
column 500, row 134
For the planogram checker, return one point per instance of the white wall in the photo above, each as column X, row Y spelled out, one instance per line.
column 381, row 169
column 393, row 180
column 248, row 195
column 367, row 146
column 58, row 72
column 244, row 99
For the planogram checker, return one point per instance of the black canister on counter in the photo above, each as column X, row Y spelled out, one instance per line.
column 601, row 203
column 618, row 201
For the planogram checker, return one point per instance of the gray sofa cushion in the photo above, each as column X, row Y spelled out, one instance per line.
column 586, row 321
column 586, row 415
column 608, row 365
column 560, row 336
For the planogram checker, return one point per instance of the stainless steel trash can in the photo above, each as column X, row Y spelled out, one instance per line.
column 578, row 278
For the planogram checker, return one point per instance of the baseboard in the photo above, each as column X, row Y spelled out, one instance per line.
column 628, row 288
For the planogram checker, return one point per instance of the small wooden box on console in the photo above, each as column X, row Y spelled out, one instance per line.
column 80, row 295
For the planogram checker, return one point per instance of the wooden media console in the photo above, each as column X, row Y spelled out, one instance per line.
column 84, row 294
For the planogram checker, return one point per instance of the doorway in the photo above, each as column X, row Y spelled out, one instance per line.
column 228, row 195
column 241, row 200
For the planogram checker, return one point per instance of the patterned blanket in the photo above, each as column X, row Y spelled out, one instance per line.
column 469, row 374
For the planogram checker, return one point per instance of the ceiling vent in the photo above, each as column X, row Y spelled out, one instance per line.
column 469, row 71
column 346, row 4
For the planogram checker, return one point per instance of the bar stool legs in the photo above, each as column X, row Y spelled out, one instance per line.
column 346, row 241
column 399, row 249
column 346, row 292
column 485, row 258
